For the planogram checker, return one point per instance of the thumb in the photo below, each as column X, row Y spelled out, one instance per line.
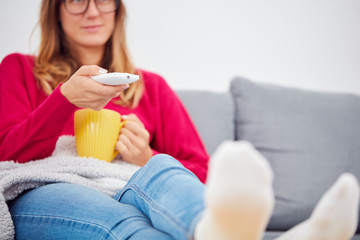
column 90, row 70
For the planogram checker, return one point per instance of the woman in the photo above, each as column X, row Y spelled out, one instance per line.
column 162, row 200
column 80, row 39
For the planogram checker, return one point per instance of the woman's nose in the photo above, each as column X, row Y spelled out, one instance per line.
column 92, row 9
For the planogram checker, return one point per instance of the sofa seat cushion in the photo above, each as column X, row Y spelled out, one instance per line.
column 309, row 138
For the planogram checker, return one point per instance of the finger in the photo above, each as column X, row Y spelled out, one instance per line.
column 125, row 147
column 139, row 143
column 133, row 126
column 107, row 90
column 125, row 139
column 119, row 88
column 131, row 137
column 139, row 135
column 132, row 117
column 122, row 149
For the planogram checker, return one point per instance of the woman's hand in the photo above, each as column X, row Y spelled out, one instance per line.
column 84, row 92
column 133, row 142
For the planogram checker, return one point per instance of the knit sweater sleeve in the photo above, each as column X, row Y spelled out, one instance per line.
column 31, row 122
column 176, row 134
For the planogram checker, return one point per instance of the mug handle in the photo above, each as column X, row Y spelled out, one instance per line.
column 115, row 151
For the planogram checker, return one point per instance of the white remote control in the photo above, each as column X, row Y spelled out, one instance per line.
column 115, row 78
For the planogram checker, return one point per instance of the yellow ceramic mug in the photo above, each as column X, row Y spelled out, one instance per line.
column 96, row 133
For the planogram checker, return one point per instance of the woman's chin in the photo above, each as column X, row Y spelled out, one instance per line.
column 91, row 43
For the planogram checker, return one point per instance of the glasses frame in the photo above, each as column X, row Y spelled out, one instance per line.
column 117, row 4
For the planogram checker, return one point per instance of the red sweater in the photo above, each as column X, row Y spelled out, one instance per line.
column 31, row 122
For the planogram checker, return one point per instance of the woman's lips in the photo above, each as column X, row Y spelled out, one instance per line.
column 92, row 28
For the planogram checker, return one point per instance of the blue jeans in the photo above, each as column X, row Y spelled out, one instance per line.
column 163, row 200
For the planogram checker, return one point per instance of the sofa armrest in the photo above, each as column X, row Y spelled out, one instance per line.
column 213, row 114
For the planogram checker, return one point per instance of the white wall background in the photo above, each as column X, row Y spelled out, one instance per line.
column 202, row 44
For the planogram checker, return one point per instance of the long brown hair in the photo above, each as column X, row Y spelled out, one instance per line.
column 55, row 64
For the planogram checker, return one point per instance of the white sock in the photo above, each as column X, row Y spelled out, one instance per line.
column 239, row 198
column 336, row 215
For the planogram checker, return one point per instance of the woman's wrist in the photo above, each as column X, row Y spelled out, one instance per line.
column 64, row 91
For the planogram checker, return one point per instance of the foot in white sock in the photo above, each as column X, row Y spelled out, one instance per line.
column 239, row 198
column 336, row 215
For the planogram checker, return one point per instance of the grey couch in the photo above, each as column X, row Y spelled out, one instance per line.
column 309, row 138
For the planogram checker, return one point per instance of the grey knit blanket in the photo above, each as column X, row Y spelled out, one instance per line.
column 62, row 166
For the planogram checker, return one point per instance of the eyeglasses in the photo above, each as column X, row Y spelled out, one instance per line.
column 81, row 6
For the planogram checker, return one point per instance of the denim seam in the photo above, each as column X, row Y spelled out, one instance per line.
column 159, row 209
column 66, row 218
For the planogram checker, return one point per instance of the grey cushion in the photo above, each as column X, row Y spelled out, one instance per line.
column 309, row 138
column 274, row 235
column 213, row 115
